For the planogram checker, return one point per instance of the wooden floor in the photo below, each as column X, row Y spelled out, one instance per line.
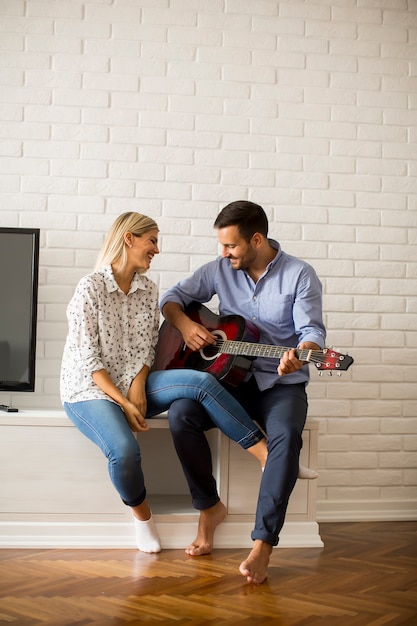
column 366, row 575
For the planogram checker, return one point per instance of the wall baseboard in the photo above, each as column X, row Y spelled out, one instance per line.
column 360, row 511
column 111, row 535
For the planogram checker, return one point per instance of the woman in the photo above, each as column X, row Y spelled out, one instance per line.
column 113, row 321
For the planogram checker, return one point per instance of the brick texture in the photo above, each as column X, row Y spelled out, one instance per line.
column 176, row 107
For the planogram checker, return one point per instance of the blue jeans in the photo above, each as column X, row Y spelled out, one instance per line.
column 104, row 423
column 281, row 411
column 164, row 387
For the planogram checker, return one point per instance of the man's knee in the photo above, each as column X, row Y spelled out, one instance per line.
column 184, row 414
column 287, row 437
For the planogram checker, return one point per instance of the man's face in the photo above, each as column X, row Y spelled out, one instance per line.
column 240, row 253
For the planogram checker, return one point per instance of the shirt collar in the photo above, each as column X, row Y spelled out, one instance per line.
column 274, row 244
column 111, row 283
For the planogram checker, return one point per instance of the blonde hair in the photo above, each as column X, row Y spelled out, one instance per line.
column 114, row 248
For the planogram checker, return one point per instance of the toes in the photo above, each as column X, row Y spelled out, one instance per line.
column 198, row 550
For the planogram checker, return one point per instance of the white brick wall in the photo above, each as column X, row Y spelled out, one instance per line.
column 175, row 108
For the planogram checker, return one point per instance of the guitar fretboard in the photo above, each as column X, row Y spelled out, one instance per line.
column 246, row 348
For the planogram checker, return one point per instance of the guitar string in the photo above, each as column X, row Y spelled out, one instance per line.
column 246, row 349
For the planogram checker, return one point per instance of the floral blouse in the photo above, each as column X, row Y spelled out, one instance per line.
column 108, row 330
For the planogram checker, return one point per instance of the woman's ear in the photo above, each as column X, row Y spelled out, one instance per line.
column 128, row 239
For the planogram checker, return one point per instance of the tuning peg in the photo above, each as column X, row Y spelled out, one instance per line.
column 329, row 373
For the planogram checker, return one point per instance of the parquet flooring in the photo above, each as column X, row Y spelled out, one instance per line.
column 366, row 575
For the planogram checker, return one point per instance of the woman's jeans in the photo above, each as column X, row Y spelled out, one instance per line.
column 104, row 423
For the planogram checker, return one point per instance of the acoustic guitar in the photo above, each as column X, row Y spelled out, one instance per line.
column 236, row 347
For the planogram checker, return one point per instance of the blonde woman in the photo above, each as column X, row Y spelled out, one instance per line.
column 106, row 388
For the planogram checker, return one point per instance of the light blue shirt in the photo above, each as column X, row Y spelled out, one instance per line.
column 285, row 304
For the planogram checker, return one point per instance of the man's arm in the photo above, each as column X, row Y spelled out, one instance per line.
column 308, row 321
column 195, row 335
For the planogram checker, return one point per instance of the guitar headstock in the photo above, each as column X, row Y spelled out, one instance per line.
column 329, row 360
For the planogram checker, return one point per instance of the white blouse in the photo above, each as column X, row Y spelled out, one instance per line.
column 108, row 330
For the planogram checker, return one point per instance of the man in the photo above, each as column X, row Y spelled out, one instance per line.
column 281, row 295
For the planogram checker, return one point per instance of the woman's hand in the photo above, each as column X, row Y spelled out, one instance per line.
column 134, row 417
column 134, row 405
column 137, row 395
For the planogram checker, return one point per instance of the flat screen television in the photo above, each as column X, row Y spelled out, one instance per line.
column 19, row 269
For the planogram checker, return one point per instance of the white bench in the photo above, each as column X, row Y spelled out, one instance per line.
column 55, row 490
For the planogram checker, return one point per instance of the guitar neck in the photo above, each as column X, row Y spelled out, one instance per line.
column 245, row 348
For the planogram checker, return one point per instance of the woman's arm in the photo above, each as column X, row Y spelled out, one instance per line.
column 136, row 393
column 134, row 416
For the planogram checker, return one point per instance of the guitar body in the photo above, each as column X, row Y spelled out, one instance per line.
column 172, row 353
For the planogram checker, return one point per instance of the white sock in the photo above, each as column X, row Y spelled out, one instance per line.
column 306, row 473
column 147, row 539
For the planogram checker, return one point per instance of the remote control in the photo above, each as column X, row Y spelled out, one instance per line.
column 8, row 409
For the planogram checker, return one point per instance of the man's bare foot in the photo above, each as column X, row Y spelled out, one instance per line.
column 207, row 524
column 255, row 567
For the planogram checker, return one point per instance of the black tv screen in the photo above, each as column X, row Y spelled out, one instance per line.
column 19, row 264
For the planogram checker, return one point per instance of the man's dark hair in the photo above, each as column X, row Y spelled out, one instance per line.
column 250, row 218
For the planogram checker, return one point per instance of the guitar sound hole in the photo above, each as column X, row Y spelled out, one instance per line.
column 212, row 352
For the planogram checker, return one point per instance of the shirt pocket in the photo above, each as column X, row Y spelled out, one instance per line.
column 277, row 309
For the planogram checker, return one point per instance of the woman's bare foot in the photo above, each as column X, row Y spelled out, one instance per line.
column 207, row 524
column 255, row 567
column 259, row 451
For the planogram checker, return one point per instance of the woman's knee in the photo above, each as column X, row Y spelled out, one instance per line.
column 204, row 379
column 127, row 468
column 201, row 381
column 124, row 451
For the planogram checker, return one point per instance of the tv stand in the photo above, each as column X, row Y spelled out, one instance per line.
column 8, row 409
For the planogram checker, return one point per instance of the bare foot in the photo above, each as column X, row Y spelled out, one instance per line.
column 255, row 567
column 259, row 451
column 207, row 524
